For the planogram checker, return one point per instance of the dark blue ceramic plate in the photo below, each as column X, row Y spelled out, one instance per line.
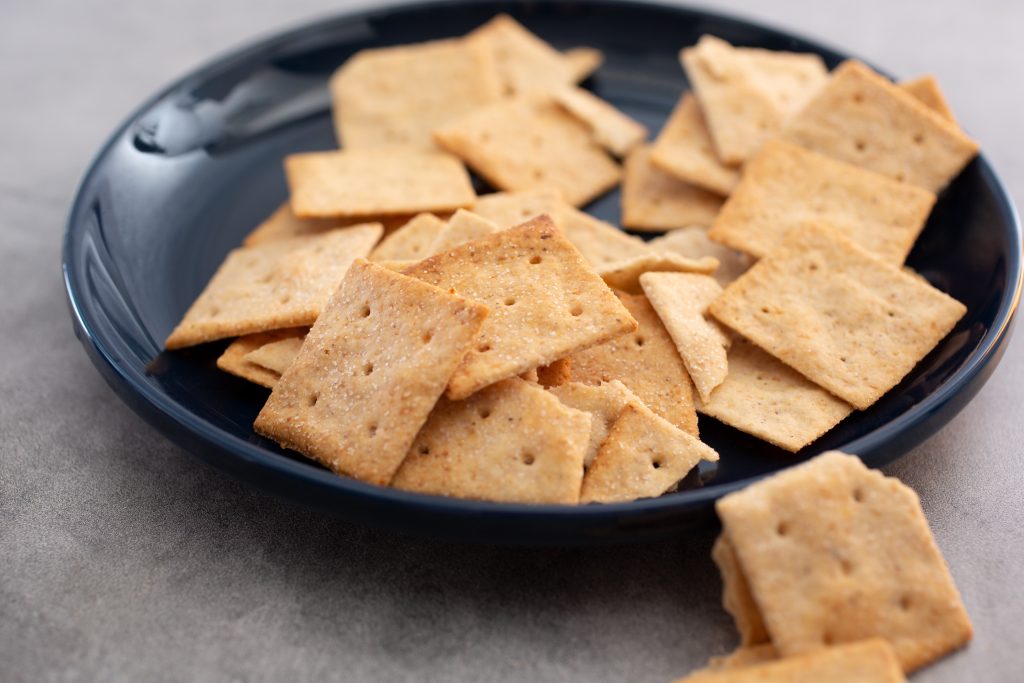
column 197, row 166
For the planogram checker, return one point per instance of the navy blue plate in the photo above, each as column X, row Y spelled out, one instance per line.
column 198, row 165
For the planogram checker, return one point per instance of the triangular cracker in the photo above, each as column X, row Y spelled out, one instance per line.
column 684, row 149
column 625, row 275
column 234, row 359
column 655, row 200
column 525, row 62
column 411, row 241
column 927, row 90
column 370, row 371
column 464, row 226
column 610, row 128
column 694, row 243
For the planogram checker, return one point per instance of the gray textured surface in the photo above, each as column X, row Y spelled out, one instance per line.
column 123, row 558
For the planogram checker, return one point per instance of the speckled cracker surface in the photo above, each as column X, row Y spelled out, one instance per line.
column 655, row 200
column 625, row 275
column 370, row 371
column 927, row 90
column 863, row 119
column 766, row 398
column 369, row 182
column 613, row 130
column 736, row 598
column 511, row 442
column 643, row 456
column 647, row 362
column 525, row 62
column 411, row 241
column 844, row 319
column 545, row 301
column 506, row 209
column 396, row 96
column 278, row 354
column 681, row 301
column 272, row 286
column 785, row 185
column 600, row 242
column 464, row 226
column 283, row 224
column 583, row 62
column 835, row 552
column 694, row 243
column 234, row 359
column 604, row 401
column 684, row 149
column 529, row 142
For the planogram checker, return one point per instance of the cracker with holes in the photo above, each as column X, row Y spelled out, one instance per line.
column 625, row 275
column 464, row 226
column 370, row 371
column 510, row 442
column 604, row 401
column 529, row 142
column 785, row 185
column 545, row 301
column 834, row 553
column 655, row 200
column 863, row 324
column 396, row 96
column 525, row 63
column 272, row 286
column 926, row 89
column 236, row 360
column 684, row 149
column 506, row 209
column 411, row 241
column 694, row 243
column 647, row 362
column 863, row 119
column 372, row 182
column 612, row 129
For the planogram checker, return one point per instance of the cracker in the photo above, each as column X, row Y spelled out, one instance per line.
column 545, row 301
column 507, row 209
column 681, row 301
column 367, row 182
column 283, row 223
column 694, row 243
column 600, row 242
column 738, row 602
column 605, row 402
column 279, row 354
column 770, row 400
column 745, row 93
column 370, row 371
column 583, row 61
column 525, row 63
column 530, row 142
column 625, row 275
column 612, row 129
column 655, row 200
column 464, row 226
column 643, row 456
column 745, row 655
column 234, row 359
column 844, row 319
column 784, row 186
column 685, row 150
column 411, row 241
column 555, row 373
column 863, row 119
column 272, row 286
column 861, row 662
column 510, row 442
column 927, row 90
column 835, row 552
column 396, row 96
column 647, row 362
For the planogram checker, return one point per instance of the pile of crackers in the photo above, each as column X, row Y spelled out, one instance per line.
column 508, row 346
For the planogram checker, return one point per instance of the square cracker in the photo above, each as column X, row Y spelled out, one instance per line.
column 655, row 200
column 273, row 285
column 525, row 63
column 693, row 243
column 528, row 142
column 643, row 456
column 583, row 61
column 234, row 359
column 612, row 129
column 843, row 318
column 396, row 96
column 834, row 552
column 411, row 241
column 604, row 401
column 368, row 182
column 863, row 119
column 545, row 301
column 927, row 90
column 785, row 185
column 684, row 149
column 736, row 598
column 510, row 442
column 370, row 371
column 625, row 275
column 681, row 301
column 647, row 362
column 464, row 226
column 506, row 209
column 278, row 354
column 600, row 242
column 770, row 400
column 283, row 223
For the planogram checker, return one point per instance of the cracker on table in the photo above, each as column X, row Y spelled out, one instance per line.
column 234, row 360
column 396, row 96
column 625, row 275
column 612, row 129
column 685, row 150
column 370, row 371
column 510, row 442
column 681, row 301
column 927, row 90
column 784, row 185
column 739, row 603
column 464, row 226
column 272, row 286
column 863, row 119
column 655, row 200
column 525, row 63
column 555, row 373
column 840, row 316
column 278, row 354
column 583, row 61
column 529, row 142
column 368, row 182
column 604, row 401
column 545, row 301
column 766, row 398
column 834, row 553
column 693, row 243
column 647, row 362
column 411, row 241
column 643, row 456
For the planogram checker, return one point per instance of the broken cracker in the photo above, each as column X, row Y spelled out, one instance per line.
column 655, row 200
column 684, row 149
column 612, row 129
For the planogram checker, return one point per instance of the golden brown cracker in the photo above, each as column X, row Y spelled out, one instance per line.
column 612, row 129
column 738, row 602
column 234, row 359
column 278, row 354
column 506, row 209
column 283, row 223
column 655, row 200
column 600, row 242
column 694, row 243
column 605, row 402
column 464, row 226
column 525, row 63
column 411, row 241
column 927, row 90
column 745, row 655
column 583, row 61
column 685, row 150
column 555, row 373
column 625, row 275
